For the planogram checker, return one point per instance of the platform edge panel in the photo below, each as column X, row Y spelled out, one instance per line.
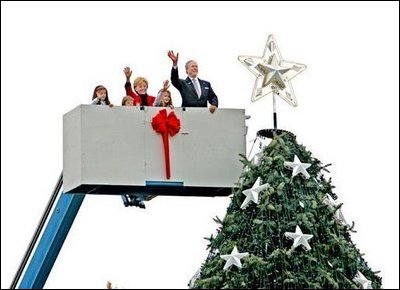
column 110, row 150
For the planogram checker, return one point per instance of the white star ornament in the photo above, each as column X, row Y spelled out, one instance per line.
column 233, row 259
column 252, row 193
column 298, row 167
column 328, row 200
column 299, row 238
column 362, row 281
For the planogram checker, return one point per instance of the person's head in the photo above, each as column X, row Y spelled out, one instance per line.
column 166, row 99
column 101, row 93
column 140, row 85
column 191, row 68
column 127, row 101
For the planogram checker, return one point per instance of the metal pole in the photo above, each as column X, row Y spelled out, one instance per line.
column 37, row 232
column 275, row 117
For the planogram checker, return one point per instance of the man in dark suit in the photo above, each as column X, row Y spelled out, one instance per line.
column 194, row 91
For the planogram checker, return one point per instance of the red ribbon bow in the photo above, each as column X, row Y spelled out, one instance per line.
column 166, row 124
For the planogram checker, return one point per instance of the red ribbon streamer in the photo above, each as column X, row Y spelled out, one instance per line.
column 166, row 124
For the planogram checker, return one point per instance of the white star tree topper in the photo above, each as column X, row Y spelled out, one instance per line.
column 362, row 281
column 252, row 193
column 273, row 73
column 233, row 259
column 298, row 167
column 299, row 239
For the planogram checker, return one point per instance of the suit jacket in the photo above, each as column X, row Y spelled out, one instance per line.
column 188, row 92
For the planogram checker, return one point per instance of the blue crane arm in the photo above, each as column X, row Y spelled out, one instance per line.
column 51, row 241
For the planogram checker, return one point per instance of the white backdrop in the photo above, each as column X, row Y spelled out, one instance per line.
column 54, row 54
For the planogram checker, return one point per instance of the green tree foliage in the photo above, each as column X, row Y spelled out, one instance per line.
column 333, row 260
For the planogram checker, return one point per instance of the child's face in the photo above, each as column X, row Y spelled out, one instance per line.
column 141, row 89
column 166, row 98
column 101, row 94
column 129, row 102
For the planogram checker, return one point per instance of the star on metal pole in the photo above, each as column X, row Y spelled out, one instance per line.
column 362, row 281
column 298, row 167
column 252, row 193
column 299, row 238
column 233, row 259
column 272, row 72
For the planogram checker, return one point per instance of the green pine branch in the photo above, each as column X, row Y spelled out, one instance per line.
column 259, row 229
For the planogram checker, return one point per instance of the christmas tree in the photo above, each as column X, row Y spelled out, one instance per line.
column 283, row 228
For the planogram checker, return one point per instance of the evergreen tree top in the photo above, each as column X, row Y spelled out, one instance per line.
column 294, row 238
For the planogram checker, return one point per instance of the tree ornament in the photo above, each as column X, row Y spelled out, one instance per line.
column 328, row 200
column 299, row 238
column 256, row 160
column 194, row 278
column 233, row 258
column 362, row 281
column 252, row 193
column 298, row 167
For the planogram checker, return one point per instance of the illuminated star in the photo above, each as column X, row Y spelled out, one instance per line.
column 252, row 193
column 298, row 167
column 299, row 238
column 361, row 280
column 272, row 72
column 233, row 258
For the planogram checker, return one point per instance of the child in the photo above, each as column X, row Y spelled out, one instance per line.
column 140, row 86
column 100, row 96
column 127, row 101
column 164, row 97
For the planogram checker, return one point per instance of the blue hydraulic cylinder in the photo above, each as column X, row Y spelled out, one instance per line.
column 51, row 241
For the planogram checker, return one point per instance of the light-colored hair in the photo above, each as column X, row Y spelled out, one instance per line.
column 140, row 80
column 187, row 63
column 125, row 99
column 170, row 99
